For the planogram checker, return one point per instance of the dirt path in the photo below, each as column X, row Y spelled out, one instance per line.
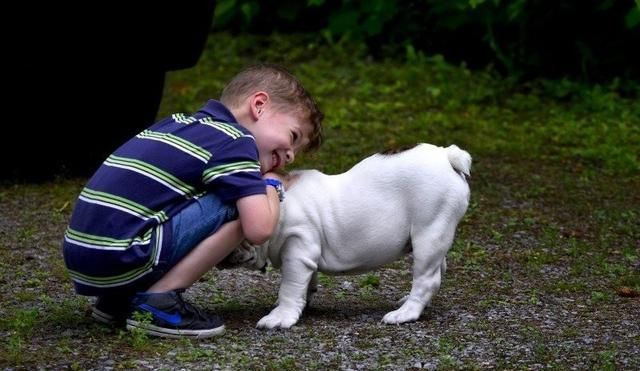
column 544, row 273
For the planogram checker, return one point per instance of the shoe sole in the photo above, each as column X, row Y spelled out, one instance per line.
column 106, row 318
column 174, row 333
column 103, row 317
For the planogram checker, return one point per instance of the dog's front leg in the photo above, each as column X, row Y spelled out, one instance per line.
column 313, row 288
column 297, row 269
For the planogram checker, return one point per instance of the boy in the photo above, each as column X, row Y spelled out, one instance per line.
column 173, row 201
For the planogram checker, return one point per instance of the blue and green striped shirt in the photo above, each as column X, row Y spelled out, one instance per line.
column 118, row 231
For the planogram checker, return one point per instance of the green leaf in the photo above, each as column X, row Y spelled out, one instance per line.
column 633, row 18
column 343, row 21
column 249, row 10
column 474, row 3
column 224, row 12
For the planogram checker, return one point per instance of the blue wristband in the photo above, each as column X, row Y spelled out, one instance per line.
column 275, row 183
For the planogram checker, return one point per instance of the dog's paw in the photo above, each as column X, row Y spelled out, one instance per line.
column 403, row 299
column 408, row 312
column 279, row 318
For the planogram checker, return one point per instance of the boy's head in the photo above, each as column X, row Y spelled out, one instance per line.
column 263, row 97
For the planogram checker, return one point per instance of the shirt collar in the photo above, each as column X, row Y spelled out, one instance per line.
column 218, row 111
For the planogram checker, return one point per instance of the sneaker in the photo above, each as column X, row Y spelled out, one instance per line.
column 111, row 310
column 172, row 317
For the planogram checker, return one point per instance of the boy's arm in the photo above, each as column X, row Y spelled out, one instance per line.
column 259, row 214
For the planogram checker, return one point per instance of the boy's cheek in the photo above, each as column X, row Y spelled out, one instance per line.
column 263, row 168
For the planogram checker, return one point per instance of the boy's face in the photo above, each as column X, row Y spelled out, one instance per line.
column 279, row 137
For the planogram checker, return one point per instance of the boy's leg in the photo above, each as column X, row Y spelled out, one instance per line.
column 201, row 259
column 194, row 253
column 112, row 310
column 172, row 316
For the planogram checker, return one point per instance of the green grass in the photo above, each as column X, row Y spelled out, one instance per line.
column 552, row 229
column 370, row 105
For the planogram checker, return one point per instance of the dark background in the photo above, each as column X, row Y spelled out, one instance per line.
column 88, row 76
column 83, row 78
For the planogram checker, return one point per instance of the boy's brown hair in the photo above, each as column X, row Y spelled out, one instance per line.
column 285, row 90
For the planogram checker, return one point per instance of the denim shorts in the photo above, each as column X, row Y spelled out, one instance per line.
column 195, row 223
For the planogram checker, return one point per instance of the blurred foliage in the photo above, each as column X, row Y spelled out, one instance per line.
column 374, row 104
column 591, row 40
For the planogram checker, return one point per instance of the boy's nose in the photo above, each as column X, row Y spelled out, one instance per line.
column 289, row 156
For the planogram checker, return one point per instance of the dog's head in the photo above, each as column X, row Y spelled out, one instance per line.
column 247, row 255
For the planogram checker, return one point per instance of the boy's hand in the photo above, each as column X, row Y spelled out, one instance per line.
column 281, row 176
column 277, row 181
column 273, row 175
column 287, row 179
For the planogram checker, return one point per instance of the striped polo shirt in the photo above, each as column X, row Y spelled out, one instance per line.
column 118, row 231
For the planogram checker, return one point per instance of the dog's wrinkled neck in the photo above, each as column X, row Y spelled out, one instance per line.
column 291, row 179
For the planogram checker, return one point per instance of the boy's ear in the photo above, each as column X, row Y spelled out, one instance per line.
column 259, row 102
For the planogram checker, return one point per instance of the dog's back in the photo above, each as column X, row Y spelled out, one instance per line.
column 376, row 204
column 434, row 178
column 428, row 154
column 428, row 172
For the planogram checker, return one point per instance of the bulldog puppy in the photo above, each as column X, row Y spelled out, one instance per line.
column 387, row 205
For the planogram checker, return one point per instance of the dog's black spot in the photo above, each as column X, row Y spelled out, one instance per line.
column 393, row 151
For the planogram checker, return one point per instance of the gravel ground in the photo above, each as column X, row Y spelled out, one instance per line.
column 533, row 282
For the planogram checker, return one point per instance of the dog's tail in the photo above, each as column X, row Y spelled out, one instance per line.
column 459, row 159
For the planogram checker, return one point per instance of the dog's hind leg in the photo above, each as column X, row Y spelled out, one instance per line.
column 443, row 270
column 430, row 246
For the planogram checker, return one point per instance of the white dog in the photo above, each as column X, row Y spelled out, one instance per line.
column 386, row 205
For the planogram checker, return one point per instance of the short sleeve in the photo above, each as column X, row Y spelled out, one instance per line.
column 233, row 171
